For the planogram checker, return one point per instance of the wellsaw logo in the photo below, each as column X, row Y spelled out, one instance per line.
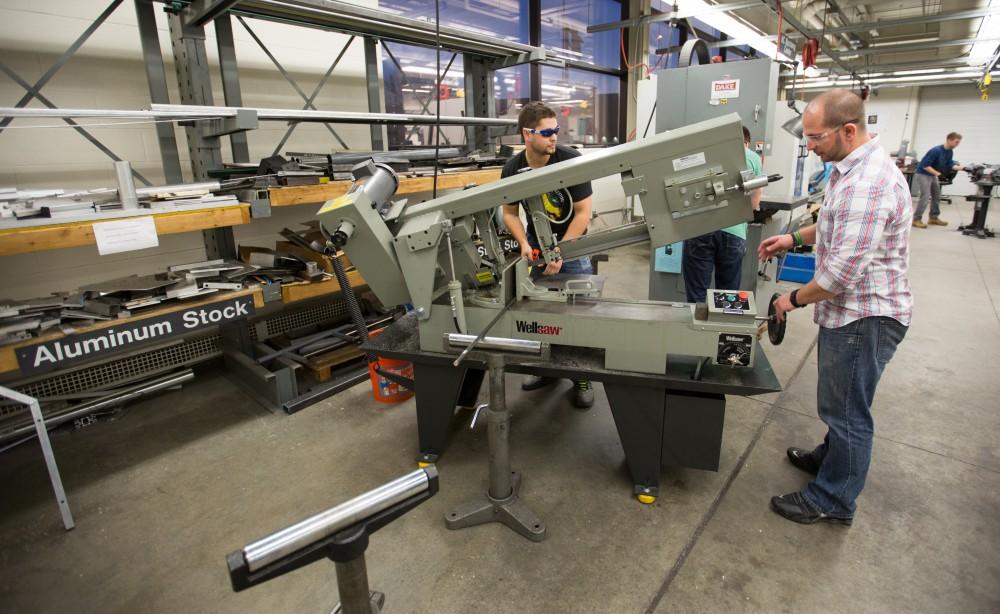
column 535, row 328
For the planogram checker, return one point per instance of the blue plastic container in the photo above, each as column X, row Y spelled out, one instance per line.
column 798, row 268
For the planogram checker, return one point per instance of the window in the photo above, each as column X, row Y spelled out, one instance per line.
column 586, row 104
column 587, row 101
column 409, row 80
column 564, row 30
column 493, row 18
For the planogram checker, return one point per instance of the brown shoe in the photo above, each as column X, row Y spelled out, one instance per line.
column 918, row 224
column 936, row 221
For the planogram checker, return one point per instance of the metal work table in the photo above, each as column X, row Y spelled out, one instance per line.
column 661, row 419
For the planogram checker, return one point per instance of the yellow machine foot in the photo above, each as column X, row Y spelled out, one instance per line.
column 647, row 499
column 423, row 465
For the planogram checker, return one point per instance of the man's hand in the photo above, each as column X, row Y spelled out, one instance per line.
column 782, row 305
column 774, row 245
column 526, row 252
column 553, row 268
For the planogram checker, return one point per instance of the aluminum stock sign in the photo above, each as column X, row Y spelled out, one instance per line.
column 74, row 349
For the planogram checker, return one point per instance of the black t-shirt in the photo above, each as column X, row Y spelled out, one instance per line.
column 559, row 202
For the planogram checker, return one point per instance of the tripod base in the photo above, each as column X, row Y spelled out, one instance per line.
column 377, row 601
column 510, row 511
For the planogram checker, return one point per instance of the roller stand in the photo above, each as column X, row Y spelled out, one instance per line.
column 501, row 503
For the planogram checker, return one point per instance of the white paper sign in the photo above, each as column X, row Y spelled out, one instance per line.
column 726, row 88
column 125, row 235
column 689, row 161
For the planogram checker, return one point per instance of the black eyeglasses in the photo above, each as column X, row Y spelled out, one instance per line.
column 545, row 132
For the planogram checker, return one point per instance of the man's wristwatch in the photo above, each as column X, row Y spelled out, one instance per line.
column 792, row 298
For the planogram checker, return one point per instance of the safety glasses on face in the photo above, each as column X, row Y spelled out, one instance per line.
column 545, row 132
column 816, row 138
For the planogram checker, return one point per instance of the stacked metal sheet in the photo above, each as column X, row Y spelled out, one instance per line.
column 117, row 298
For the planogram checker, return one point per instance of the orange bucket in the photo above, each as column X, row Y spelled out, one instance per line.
column 385, row 390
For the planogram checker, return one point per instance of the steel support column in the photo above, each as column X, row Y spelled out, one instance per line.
column 480, row 101
column 231, row 82
column 195, row 84
column 374, row 92
column 157, row 78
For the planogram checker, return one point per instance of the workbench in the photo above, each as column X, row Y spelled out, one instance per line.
column 322, row 192
column 74, row 234
column 674, row 419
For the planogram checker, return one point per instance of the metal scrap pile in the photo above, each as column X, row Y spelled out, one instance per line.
column 117, row 298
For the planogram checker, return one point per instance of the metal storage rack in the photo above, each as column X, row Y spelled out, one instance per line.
column 186, row 23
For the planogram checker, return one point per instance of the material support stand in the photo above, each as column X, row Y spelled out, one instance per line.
column 501, row 503
column 352, row 584
column 50, row 458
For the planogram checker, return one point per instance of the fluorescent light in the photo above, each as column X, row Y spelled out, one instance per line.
column 730, row 26
column 988, row 28
column 919, row 71
column 890, row 80
column 909, row 41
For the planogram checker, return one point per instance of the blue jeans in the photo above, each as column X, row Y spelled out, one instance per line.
column 719, row 250
column 851, row 361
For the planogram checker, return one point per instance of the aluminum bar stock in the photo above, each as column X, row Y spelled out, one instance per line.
column 301, row 534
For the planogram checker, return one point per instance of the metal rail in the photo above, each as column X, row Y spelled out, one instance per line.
column 182, row 112
column 291, row 539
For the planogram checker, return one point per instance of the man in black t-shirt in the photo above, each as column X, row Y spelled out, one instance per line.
column 569, row 211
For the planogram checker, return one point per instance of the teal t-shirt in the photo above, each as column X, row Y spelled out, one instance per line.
column 754, row 164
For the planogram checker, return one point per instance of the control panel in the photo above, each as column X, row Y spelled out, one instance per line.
column 736, row 302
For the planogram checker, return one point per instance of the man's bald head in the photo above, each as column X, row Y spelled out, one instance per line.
column 838, row 107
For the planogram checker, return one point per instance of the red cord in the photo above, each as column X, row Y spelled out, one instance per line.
column 630, row 67
column 781, row 18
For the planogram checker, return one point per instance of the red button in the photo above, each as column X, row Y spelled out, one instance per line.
column 744, row 295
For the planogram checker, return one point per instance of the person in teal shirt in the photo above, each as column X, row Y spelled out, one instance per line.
column 722, row 250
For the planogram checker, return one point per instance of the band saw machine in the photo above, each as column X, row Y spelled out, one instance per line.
column 691, row 181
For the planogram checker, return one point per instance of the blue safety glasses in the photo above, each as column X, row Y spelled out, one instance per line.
column 545, row 132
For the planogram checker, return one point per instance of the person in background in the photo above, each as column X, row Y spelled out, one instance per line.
column 927, row 180
column 863, row 301
column 568, row 210
column 722, row 250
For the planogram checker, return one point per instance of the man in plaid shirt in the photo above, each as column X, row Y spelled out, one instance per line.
column 862, row 296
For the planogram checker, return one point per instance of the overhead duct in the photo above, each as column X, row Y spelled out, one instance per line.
column 813, row 13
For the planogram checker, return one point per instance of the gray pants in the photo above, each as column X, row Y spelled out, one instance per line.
column 928, row 188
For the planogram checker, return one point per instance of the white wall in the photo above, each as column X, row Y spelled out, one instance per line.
column 896, row 113
column 958, row 108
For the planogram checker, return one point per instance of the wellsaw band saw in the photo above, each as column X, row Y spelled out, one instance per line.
column 444, row 258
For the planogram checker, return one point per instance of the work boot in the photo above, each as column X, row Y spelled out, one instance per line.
column 936, row 221
column 583, row 394
column 534, row 382
column 919, row 224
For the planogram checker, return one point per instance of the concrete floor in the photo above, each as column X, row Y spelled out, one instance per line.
column 163, row 493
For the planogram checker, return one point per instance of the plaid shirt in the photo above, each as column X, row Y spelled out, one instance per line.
column 862, row 240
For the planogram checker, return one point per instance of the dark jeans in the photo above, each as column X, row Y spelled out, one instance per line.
column 851, row 361
column 717, row 250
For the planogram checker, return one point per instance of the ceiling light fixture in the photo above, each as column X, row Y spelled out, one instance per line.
column 730, row 26
column 989, row 28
